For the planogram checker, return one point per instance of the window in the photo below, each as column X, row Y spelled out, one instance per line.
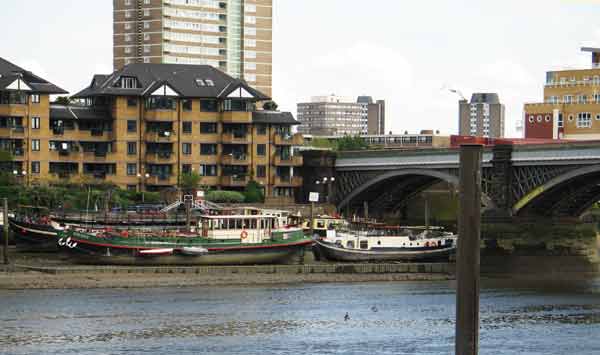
column 261, row 129
column 131, row 169
column 250, row 8
column 146, row 49
column 531, row 119
column 597, row 117
column 146, row 12
column 146, row 36
column 208, row 127
column 35, row 123
column 261, row 171
column 261, row 149
column 127, row 38
column 186, row 127
column 547, row 118
column 584, row 120
column 208, row 149
column 161, row 103
column 35, row 99
column 187, row 105
column 186, row 168
column 128, row 82
column 208, row 105
column 131, row 126
column 131, row 102
column 147, row 2
column 209, row 82
column 208, row 170
column 35, row 145
column 571, row 118
column 127, row 2
column 186, row 148
column 131, row 187
column 127, row 27
column 35, row 167
column 146, row 25
column 539, row 118
column 131, row 148
column 127, row 14
column 582, row 99
column 567, row 99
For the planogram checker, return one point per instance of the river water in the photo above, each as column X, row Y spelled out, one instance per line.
column 385, row 318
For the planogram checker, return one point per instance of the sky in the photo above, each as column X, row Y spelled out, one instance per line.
column 407, row 53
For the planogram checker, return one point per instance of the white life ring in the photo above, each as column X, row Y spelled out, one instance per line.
column 244, row 235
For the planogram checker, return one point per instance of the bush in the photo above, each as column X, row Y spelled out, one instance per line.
column 225, row 196
column 253, row 193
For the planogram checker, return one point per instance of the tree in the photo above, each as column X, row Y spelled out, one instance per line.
column 190, row 181
column 63, row 100
column 253, row 193
column 351, row 143
column 270, row 106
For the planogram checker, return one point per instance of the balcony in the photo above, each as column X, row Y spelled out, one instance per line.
column 160, row 136
column 163, row 179
column 288, row 181
column 282, row 139
column 234, row 181
column 236, row 117
column 13, row 132
column 295, row 160
column 160, row 115
column 235, row 138
column 235, row 159
column 163, row 157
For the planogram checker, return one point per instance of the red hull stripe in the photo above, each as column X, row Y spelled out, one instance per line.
column 306, row 242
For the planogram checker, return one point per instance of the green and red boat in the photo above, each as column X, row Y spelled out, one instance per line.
column 217, row 240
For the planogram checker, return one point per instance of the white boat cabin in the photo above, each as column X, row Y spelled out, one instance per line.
column 247, row 228
column 382, row 239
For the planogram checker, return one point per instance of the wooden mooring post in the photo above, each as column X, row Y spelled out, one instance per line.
column 5, row 221
column 467, row 259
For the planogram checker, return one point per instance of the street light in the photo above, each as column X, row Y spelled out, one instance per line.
column 142, row 179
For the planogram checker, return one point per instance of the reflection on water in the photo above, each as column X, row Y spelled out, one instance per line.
column 410, row 318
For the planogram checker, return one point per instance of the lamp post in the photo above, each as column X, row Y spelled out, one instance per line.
column 328, row 182
column 142, row 179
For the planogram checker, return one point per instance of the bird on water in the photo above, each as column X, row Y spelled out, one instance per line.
column 346, row 317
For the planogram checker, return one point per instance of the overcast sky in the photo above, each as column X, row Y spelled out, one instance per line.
column 402, row 51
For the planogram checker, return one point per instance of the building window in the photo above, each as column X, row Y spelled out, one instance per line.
column 131, row 126
column 35, row 145
column 208, row 170
column 131, row 169
column 146, row 49
column 131, row 101
column 131, row 187
column 208, row 149
column 127, row 38
column 186, row 148
column 146, row 36
column 261, row 129
column 186, row 127
column 208, row 105
column 584, row 120
column 571, row 118
column 186, row 169
column 582, row 99
column 261, row 149
column 531, row 119
column 131, row 148
column 261, row 171
column 35, row 167
column 208, row 127
column 567, row 99
column 547, row 118
column 35, row 99
column 539, row 118
column 35, row 123
column 146, row 12
column 597, row 117
column 186, row 105
column 127, row 14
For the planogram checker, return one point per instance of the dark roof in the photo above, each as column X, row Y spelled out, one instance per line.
column 487, row 97
column 181, row 78
column 78, row 113
column 9, row 72
column 273, row 117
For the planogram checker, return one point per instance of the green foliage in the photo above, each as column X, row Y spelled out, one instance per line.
column 190, row 181
column 351, row 143
column 5, row 155
column 225, row 196
column 62, row 100
column 270, row 106
column 254, row 193
column 323, row 143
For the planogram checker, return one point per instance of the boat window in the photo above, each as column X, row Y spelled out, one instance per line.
column 350, row 244
column 238, row 224
column 338, row 242
column 364, row 244
column 252, row 224
column 379, row 242
column 320, row 224
column 246, row 223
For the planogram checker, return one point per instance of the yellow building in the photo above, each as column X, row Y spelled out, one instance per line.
column 143, row 126
column 571, row 106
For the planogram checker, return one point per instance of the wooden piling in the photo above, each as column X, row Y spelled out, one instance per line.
column 5, row 215
column 467, row 260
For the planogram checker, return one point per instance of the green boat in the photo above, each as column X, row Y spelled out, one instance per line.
column 216, row 240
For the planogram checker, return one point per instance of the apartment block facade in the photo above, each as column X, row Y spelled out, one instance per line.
column 571, row 105
column 145, row 125
column 483, row 116
column 339, row 116
column 232, row 35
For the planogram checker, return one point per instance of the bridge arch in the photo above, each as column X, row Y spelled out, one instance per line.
column 391, row 175
column 568, row 194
